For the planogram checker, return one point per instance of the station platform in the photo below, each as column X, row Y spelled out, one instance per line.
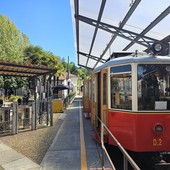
column 73, row 147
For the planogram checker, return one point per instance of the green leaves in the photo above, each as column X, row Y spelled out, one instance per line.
column 15, row 46
column 12, row 41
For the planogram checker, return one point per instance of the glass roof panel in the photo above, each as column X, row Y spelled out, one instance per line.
column 86, row 33
column 119, row 44
column 89, row 9
column 112, row 13
column 107, row 54
column 145, row 13
column 99, row 64
column 82, row 59
column 106, row 26
column 101, row 41
column 161, row 30
column 91, row 63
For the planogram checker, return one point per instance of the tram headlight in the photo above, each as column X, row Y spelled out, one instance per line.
column 158, row 128
column 157, row 47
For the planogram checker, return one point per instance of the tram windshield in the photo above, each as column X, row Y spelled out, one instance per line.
column 153, row 86
column 121, row 87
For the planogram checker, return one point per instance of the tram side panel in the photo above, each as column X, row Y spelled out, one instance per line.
column 136, row 131
column 147, row 139
column 123, row 126
column 94, row 100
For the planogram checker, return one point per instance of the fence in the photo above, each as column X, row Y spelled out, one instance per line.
column 14, row 117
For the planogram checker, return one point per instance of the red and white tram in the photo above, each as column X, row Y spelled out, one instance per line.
column 131, row 95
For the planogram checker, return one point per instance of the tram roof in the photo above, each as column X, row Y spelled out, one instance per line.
column 102, row 27
column 133, row 59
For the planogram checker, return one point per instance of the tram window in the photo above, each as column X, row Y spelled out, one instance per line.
column 121, row 91
column 153, row 86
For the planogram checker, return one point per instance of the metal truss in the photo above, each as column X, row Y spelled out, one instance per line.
column 116, row 31
column 126, row 34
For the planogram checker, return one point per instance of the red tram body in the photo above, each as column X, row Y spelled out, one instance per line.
column 131, row 96
column 136, row 131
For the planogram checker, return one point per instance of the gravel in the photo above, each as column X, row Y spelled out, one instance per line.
column 34, row 144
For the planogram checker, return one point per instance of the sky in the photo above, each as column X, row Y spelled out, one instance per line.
column 47, row 23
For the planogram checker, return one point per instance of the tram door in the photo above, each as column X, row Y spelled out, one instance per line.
column 104, row 96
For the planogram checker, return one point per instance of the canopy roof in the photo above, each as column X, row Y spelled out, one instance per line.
column 60, row 87
column 102, row 27
column 24, row 70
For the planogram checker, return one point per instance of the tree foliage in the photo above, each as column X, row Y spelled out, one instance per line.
column 15, row 46
column 12, row 44
column 78, row 71
column 12, row 41
column 83, row 72
column 37, row 56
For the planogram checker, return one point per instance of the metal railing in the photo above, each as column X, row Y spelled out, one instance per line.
column 68, row 100
column 126, row 156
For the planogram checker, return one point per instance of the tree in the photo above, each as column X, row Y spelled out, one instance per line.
column 73, row 69
column 12, row 41
column 12, row 45
column 36, row 55
column 33, row 55
column 83, row 72
column 64, row 63
column 80, row 72
column 12, row 83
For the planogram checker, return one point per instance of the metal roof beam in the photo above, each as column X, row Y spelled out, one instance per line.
column 76, row 7
column 92, row 57
column 149, row 27
column 128, row 15
column 84, row 66
column 96, row 28
column 129, row 35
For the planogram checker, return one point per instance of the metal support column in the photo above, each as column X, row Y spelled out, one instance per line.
column 48, row 103
column 33, row 127
column 51, row 111
column 14, row 112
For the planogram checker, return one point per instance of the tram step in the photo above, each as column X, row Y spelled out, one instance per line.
column 162, row 166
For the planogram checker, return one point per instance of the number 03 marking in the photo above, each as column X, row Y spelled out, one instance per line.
column 157, row 142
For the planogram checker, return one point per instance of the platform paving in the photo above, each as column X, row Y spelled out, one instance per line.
column 12, row 160
column 65, row 151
